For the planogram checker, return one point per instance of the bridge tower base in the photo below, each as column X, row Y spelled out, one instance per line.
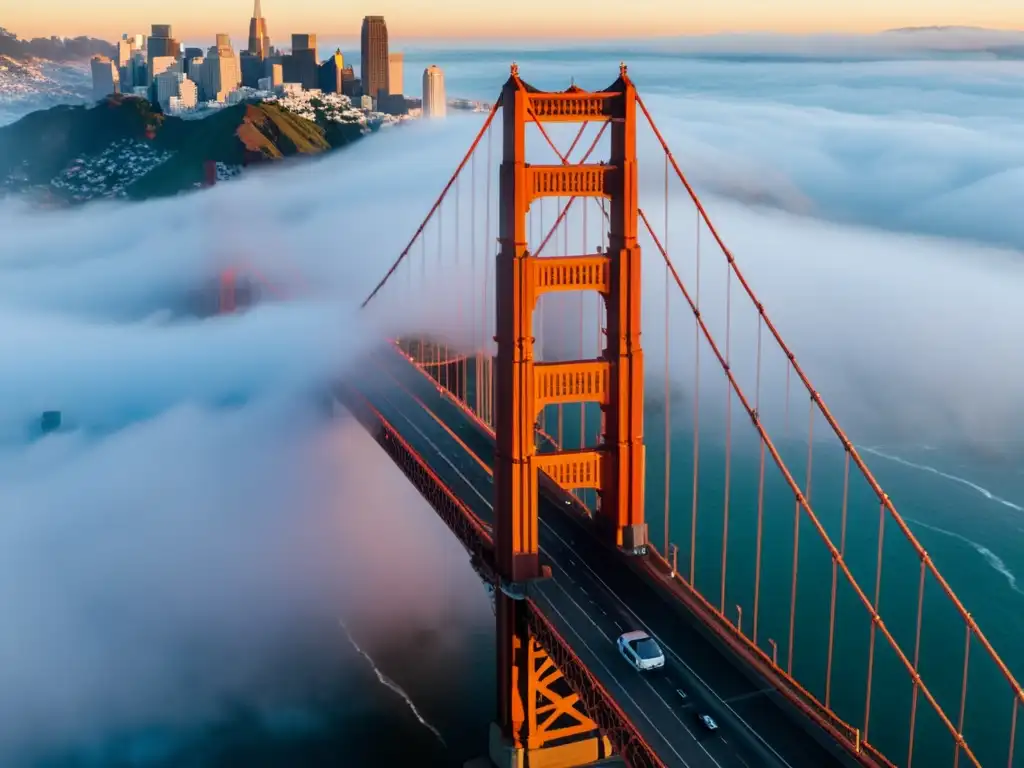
column 541, row 722
column 572, row 755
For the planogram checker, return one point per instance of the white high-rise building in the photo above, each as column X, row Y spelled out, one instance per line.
column 434, row 102
column 105, row 77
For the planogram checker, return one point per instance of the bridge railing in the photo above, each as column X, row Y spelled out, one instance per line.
column 866, row 701
column 475, row 536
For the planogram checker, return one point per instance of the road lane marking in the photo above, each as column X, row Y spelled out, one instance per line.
column 751, row 695
column 466, row 480
column 667, row 742
column 642, row 676
column 610, row 673
column 666, row 646
column 616, row 598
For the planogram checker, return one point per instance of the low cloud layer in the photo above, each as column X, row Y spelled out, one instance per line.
column 189, row 544
column 204, row 527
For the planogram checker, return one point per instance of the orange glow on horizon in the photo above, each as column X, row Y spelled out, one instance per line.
column 570, row 19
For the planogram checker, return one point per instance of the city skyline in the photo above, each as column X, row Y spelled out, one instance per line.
column 451, row 20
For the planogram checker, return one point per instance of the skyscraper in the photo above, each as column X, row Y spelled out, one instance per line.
column 373, row 63
column 331, row 70
column 124, row 52
column 395, row 73
column 161, row 43
column 105, row 79
column 221, row 70
column 259, row 38
column 300, row 66
column 434, row 103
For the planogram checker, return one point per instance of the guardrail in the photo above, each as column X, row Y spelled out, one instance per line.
column 599, row 705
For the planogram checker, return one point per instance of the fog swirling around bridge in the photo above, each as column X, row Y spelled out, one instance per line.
column 173, row 533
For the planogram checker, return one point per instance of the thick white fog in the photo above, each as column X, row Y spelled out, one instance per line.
column 204, row 517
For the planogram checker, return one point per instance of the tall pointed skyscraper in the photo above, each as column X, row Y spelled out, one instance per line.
column 259, row 39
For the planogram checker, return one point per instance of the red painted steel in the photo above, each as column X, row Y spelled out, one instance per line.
column 523, row 184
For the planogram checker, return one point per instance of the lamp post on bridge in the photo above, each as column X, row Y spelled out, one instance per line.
column 775, row 652
column 739, row 619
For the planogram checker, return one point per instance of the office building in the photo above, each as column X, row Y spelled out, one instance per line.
column 125, row 62
column 331, row 70
column 177, row 86
column 396, row 75
column 434, row 102
column 161, row 64
column 259, row 38
column 253, row 67
column 138, row 69
column 195, row 73
column 366, row 102
column 303, row 43
column 351, row 85
column 221, row 71
column 276, row 74
column 160, row 44
column 105, row 77
column 124, row 52
column 390, row 99
column 373, row 56
column 187, row 55
column 300, row 66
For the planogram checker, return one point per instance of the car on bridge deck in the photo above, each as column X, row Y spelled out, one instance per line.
column 708, row 722
column 640, row 650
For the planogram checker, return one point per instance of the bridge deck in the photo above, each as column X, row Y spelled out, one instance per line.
column 593, row 597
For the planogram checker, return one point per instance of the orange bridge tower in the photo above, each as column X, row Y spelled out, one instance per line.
column 524, row 733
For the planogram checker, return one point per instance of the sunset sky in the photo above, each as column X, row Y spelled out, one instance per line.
column 478, row 18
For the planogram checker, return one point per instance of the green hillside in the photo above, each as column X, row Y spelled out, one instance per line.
column 149, row 154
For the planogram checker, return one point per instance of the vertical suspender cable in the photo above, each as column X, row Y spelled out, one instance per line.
column 487, row 394
column 583, row 405
column 1013, row 730
column 696, row 416
column 668, row 391
column 874, row 618
column 917, row 661
column 760, row 487
column 440, row 271
column 728, row 436
column 421, row 353
column 540, row 320
column 460, row 366
column 796, row 542
column 473, row 256
column 835, row 582
column 561, row 419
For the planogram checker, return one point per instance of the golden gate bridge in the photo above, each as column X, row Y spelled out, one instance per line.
column 539, row 467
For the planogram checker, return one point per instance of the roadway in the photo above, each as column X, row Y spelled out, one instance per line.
column 593, row 597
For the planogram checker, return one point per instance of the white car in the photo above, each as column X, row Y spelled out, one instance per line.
column 640, row 650
column 708, row 722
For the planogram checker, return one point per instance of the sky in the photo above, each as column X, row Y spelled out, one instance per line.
column 525, row 18
column 204, row 505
